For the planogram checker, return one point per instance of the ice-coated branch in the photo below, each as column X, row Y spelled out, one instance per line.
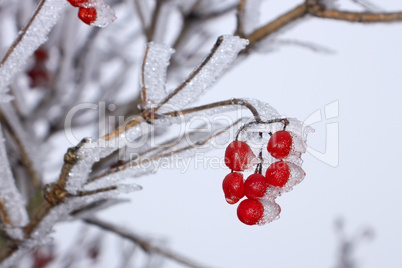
column 30, row 38
column 153, row 76
column 143, row 243
column 12, row 207
column 135, row 167
column 247, row 16
column 206, row 74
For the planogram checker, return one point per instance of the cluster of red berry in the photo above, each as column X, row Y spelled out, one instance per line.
column 86, row 12
column 259, row 206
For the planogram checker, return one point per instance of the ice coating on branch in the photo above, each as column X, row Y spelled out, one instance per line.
column 155, row 66
column 104, row 13
column 250, row 16
column 151, row 163
column 26, row 140
column 92, row 151
column 35, row 35
column 15, row 215
column 204, row 76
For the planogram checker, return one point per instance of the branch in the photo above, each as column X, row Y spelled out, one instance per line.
column 364, row 17
column 143, row 243
column 124, row 165
column 315, row 9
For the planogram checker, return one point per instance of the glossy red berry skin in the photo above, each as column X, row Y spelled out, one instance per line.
column 278, row 174
column 77, row 3
column 280, row 144
column 250, row 211
column 233, row 187
column 255, row 186
column 87, row 15
column 238, row 156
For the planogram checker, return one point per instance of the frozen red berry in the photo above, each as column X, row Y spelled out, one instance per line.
column 250, row 211
column 278, row 174
column 238, row 156
column 233, row 187
column 255, row 186
column 87, row 15
column 77, row 3
column 280, row 144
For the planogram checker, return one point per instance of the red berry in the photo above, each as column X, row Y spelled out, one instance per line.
column 41, row 55
column 238, row 156
column 77, row 3
column 39, row 77
column 278, row 174
column 233, row 187
column 280, row 144
column 87, row 15
column 250, row 211
column 255, row 186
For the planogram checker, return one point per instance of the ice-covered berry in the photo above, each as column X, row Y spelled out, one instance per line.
column 77, row 3
column 238, row 156
column 87, row 15
column 250, row 211
column 255, row 186
column 280, row 144
column 233, row 187
column 278, row 174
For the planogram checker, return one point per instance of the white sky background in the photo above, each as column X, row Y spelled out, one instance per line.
column 365, row 76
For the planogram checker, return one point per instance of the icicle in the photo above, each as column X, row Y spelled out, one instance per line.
column 10, row 198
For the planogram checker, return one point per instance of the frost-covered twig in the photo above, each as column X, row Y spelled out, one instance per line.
column 143, row 243
column 13, row 213
column 30, row 38
column 205, row 75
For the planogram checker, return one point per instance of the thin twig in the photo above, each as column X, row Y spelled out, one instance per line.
column 22, row 32
column 146, row 245
column 239, row 102
column 240, row 18
column 136, row 162
column 192, row 75
column 24, row 155
column 275, row 25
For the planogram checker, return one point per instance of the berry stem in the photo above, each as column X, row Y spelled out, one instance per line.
column 272, row 121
